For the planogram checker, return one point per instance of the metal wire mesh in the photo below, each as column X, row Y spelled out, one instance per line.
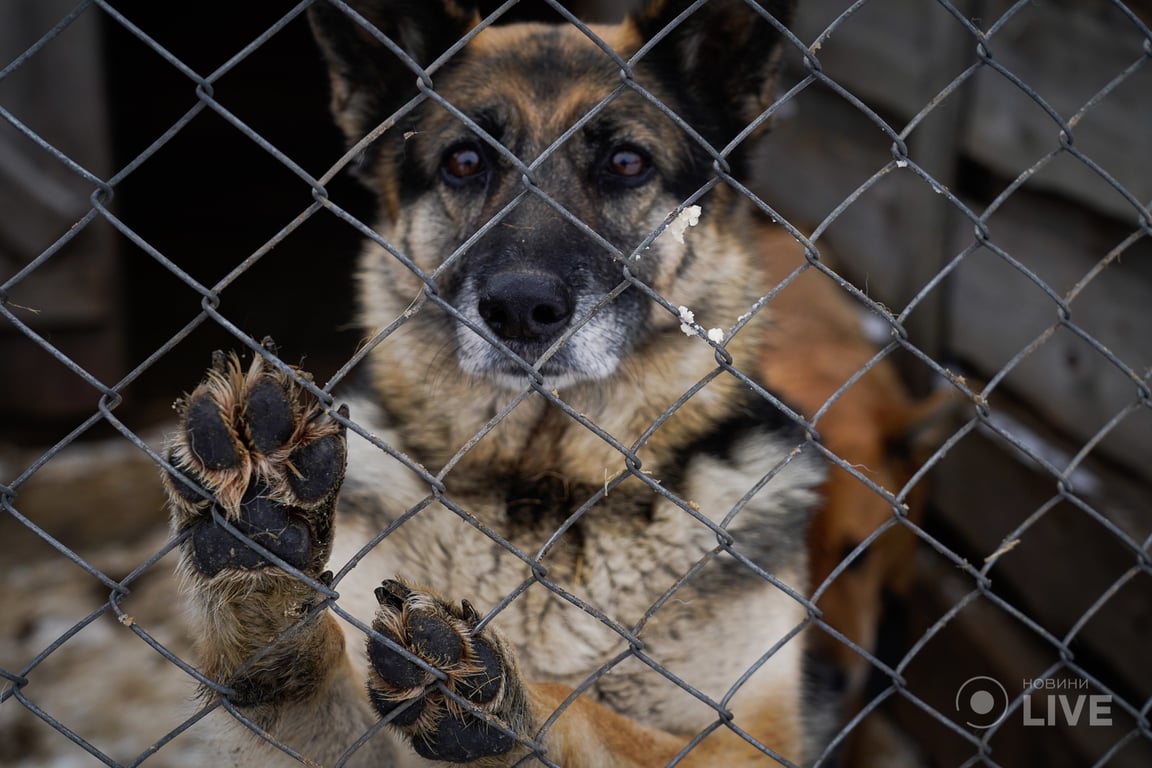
column 890, row 681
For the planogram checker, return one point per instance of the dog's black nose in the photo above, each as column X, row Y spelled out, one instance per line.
column 526, row 306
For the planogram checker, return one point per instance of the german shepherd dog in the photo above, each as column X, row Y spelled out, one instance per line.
column 565, row 523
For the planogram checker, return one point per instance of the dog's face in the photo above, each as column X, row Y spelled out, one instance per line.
column 523, row 191
column 535, row 273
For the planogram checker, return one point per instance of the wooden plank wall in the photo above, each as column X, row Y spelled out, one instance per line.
column 1068, row 396
column 73, row 298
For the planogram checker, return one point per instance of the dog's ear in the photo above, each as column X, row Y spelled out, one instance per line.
column 369, row 80
column 725, row 54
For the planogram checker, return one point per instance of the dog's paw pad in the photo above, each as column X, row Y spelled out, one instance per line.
column 271, row 461
column 276, row 527
column 461, row 738
column 209, row 435
column 482, row 685
column 319, row 466
column 394, row 667
column 434, row 639
column 468, row 663
column 269, row 416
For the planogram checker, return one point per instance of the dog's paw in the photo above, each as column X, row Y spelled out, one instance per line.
column 475, row 665
column 272, row 461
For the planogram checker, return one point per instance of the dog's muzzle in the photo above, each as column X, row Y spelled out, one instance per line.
column 528, row 310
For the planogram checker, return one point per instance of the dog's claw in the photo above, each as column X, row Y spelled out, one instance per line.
column 470, row 614
column 392, row 593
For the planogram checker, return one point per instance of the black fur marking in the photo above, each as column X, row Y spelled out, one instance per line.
column 209, row 438
column 526, row 10
column 247, row 692
column 269, row 417
column 528, row 501
column 376, row 82
column 719, row 60
column 753, row 414
column 764, row 539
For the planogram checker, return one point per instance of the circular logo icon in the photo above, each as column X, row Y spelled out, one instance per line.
column 982, row 701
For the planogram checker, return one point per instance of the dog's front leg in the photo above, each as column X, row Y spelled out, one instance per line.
column 273, row 463
column 466, row 702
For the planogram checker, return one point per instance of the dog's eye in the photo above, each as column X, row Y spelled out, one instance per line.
column 628, row 166
column 462, row 163
column 625, row 162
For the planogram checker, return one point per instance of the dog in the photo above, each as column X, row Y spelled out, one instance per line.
column 818, row 347
column 560, row 520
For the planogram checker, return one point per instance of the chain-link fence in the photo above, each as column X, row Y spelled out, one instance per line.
column 974, row 178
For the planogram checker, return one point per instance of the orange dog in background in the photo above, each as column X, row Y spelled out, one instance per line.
column 818, row 342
